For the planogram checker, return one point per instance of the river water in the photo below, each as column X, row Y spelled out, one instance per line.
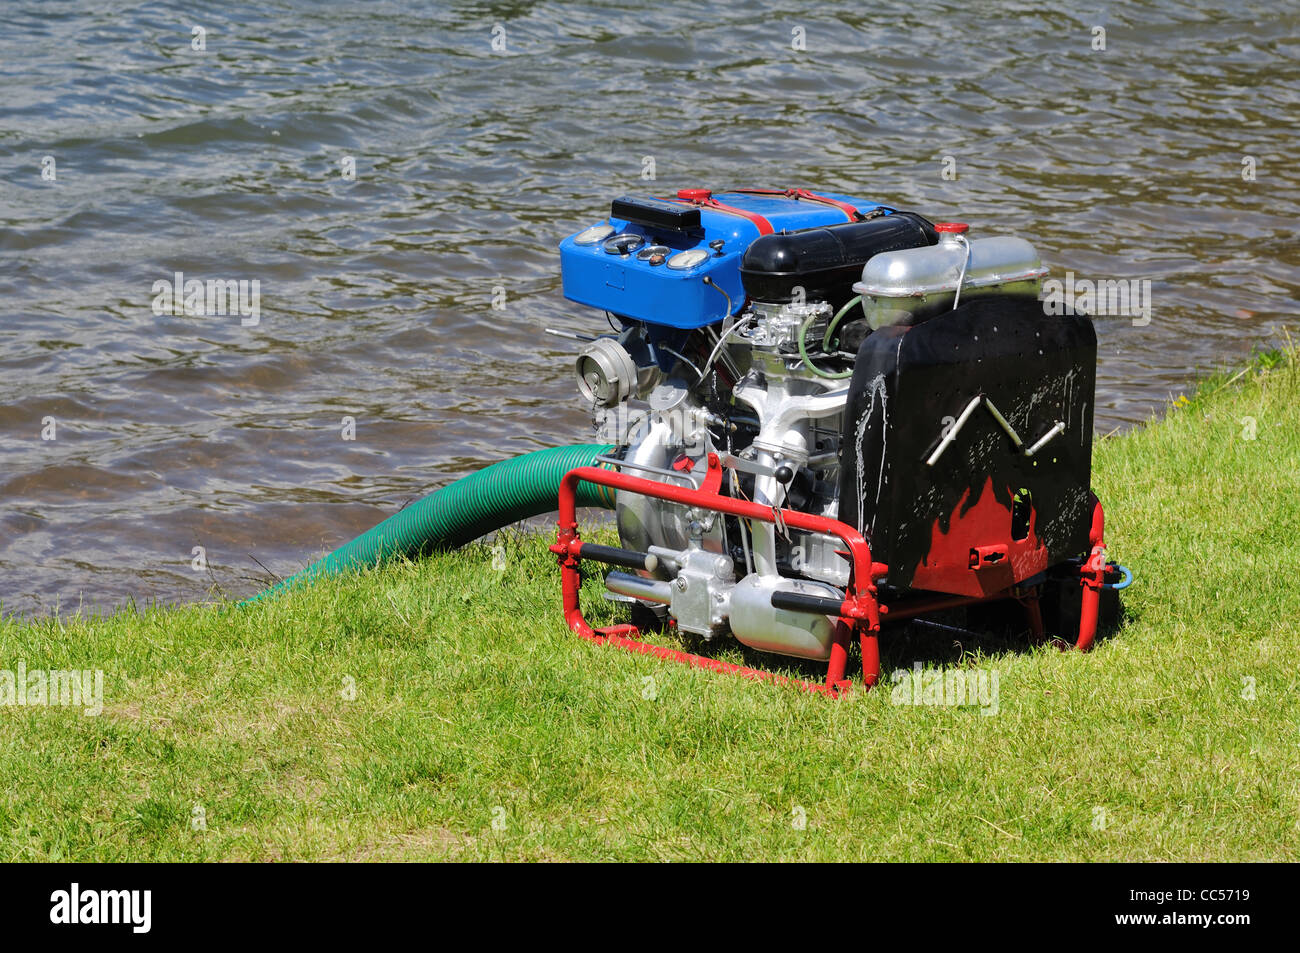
column 480, row 135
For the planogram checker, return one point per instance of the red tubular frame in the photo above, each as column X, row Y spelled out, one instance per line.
column 861, row 611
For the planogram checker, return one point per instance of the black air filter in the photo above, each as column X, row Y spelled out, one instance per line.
column 827, row 260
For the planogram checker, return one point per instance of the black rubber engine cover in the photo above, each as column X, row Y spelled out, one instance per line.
column 825, row 261
column 985, row 515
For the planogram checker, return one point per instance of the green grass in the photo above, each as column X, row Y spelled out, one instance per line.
column 473, row 703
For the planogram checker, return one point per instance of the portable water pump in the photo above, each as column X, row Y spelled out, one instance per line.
column 827, row 414
column 822, row 415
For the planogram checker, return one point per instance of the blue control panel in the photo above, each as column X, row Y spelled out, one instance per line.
column 650, row 258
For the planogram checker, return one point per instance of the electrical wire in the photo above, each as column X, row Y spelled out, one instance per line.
column 683, row 359
column 713, row 284
column 717, row 348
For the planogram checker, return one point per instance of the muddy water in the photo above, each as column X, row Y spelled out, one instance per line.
column 227, row 162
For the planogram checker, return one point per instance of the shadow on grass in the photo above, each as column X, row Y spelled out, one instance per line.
column 992, row 630
column 952, row 638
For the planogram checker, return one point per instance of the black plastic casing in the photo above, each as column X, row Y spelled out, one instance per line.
column 911, row 383
column 827, row 260
column 656, row 213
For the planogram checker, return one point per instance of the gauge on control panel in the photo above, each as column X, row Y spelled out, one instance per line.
column 624, row 243
column 589, row 236
column 686, row 260
column 655, row 254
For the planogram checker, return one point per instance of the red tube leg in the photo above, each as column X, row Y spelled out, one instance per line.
column 1092, row 576
column 572, row 583
column 870, row 656
column 871, row 637
column 839, row 657
column 1088, row 615
column 570, row 576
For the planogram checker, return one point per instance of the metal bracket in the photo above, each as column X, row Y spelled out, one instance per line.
column 733, row 462
column 646, row 468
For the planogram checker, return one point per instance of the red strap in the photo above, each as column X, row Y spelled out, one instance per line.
column 702, row 198
column 849, row 210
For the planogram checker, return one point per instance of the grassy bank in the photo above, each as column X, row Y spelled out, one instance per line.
column 441, row 709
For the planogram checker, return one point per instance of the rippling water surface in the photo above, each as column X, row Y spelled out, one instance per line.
column 471, row 164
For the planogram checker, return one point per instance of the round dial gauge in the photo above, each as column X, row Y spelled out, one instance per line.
column 589, row 236
column 624, row 243
column 685, row 260
column 655, row 254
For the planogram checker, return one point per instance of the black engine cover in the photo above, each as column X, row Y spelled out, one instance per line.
column 827, row 260
column 985, row 515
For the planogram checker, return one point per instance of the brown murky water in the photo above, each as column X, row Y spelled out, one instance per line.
column 471, row 163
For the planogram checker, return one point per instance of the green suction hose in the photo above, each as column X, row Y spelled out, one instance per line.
column 460, row 512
